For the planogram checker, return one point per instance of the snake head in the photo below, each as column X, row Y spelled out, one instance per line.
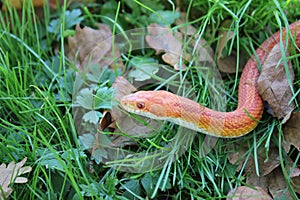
column 147, row 103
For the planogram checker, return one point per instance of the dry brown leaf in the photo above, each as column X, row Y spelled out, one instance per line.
column 106, row 121
column 273, row 85
column 9, row 174
column 295, row 178
column 291, row 132
column 275, row 182
column 186, row 29
column 244, row 192
column 271, row 177
column 163, row 40
column 91, row 46
column 227, row 63
column 236, row 156
column 296, row 184
column 266, row 165
column 122, row 87
column 205, row 53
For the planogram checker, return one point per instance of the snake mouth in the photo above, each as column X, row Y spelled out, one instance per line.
column 124, row 104
column 128, row 103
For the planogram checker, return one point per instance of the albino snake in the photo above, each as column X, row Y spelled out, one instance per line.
column 164, row 105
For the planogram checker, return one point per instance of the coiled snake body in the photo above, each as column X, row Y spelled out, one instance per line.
column 164, row 105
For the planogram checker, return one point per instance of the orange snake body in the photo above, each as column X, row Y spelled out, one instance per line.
column 164, row 105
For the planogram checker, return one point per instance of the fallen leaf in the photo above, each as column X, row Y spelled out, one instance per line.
column 244, row 192
column 266, row 164
column 90, row 46
column 277, row 184
column 270, row 176
column 204, row 51
column 236, row 156
column 9, row 175
column 106, row 121
column 122, row 88
column 163, row 40
column 273, row 85
column 275, row 181
column 184, row 27
column 228, row 63
column 291, row 130
column 296, row 181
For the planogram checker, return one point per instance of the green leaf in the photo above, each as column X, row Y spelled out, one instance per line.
column 68, row 33
column 89, row 190
column 153, row 4
column 168, row 16
column 87, row 140
column 66, row 83
column 71, row 18
column 86, row 98
column 109, row 75
column 92, row 116
column 99, row 154
column 132, row 186
column 98, row 74
column 94, row 73
column 149, row 182
column 73, row 154
column 109, row 10
column 52, row 163
column 103, row 98
column 111, row 182
column 145, row 68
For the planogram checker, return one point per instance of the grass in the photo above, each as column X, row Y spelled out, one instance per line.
column 36, row 118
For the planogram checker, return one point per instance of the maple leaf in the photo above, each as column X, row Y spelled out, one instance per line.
column 271, row 177
column 91, row 46
column 244, row 192
column 9, row 174
column 162, row 40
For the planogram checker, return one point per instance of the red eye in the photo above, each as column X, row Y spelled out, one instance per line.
column 140, row 105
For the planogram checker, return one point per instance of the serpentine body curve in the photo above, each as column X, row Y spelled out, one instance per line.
column 164, row 105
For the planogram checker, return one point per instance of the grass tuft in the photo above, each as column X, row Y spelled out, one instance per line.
column 37, row 121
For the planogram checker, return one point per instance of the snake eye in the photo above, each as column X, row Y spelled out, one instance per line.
column 140, row 105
